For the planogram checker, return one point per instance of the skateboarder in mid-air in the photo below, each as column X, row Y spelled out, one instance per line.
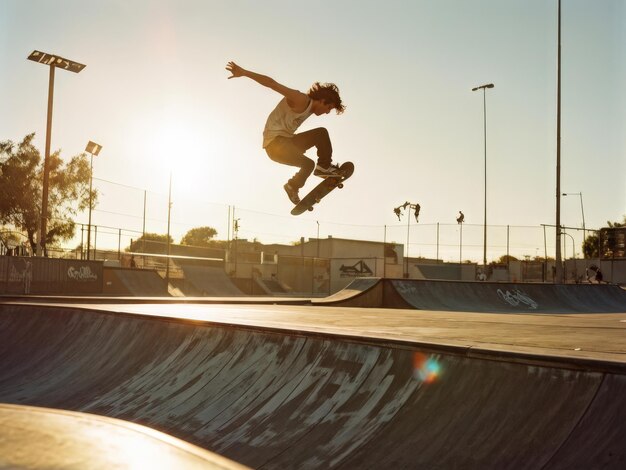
column 281, row 142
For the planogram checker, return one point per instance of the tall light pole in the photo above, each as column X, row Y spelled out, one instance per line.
column 558, row 260
column 459, row 220
column 484, row 88
column 398, row 211
column 318, row 237
column 93, row 149
column 582, row 210
column 169, row 213
column 573, row 243
column 54, row 62
column 573, row 255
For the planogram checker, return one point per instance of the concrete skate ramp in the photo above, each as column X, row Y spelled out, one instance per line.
column 273, row 399
column 133, row 282
column 479, row 296
column 361, row 292
column 504, row 297
column 210, row 281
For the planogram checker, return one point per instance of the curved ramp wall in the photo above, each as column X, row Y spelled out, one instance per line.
column 361, row 292
column 279, row 400
column 485, row 297
column 504, row 297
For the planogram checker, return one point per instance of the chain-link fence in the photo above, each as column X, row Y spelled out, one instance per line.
column 116, row 225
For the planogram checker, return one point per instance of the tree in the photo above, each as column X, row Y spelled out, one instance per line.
column 591, row 245
column 21, row 187
column 150, row 243
column 505, row 259
column 199, row 236
column 617, row 224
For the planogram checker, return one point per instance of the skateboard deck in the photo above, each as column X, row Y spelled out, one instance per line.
column 323, row 189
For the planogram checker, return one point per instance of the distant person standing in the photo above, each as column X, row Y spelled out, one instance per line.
column 597, row 274
column 280, row 141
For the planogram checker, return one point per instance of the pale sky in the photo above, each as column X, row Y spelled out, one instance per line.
column 155, row 95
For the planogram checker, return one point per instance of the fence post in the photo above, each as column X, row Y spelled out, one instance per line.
column 437, row 241
column 385, row 251
column 508, row 257
column 545, row 256
column 82, row 241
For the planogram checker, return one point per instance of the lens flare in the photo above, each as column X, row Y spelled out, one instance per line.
column 425, row 369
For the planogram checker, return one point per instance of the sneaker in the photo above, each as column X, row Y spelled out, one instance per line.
column 292, row 193
column 331, row 172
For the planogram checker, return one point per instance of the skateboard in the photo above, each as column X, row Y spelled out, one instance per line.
column 323, row 189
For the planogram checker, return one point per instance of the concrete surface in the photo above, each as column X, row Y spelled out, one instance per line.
column 310, row 387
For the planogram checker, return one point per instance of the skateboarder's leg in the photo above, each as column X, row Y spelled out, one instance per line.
column 283, row 150
column 318, row 138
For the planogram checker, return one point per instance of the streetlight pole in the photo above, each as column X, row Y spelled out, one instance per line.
column 318, row 237
column 573, row 254
column 484, row 88
column 54, row 62
column 557, row 256
column 573, row 244
column 582, row 210
column 459, row 220
column 236, row 236
column 398, row 211
column 169, row 213
column 93, row 149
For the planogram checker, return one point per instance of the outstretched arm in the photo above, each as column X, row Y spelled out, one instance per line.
column 297, row 100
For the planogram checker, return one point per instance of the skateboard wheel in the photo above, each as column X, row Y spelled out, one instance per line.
column 310, row 209
column 340, row 185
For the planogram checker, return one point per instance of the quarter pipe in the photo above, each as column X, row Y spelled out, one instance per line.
column 295, row 400
column 480, row 296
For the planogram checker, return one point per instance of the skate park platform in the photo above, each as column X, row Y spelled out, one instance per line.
column 325, row 385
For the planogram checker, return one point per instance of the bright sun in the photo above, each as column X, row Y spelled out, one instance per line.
column 192, row 149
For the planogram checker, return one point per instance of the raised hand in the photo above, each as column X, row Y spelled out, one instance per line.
column 234, row 69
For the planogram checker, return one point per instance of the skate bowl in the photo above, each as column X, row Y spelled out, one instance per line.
column 464, row 296
column 272, row 398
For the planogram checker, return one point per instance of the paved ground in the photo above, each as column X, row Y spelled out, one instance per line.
column 287, row 386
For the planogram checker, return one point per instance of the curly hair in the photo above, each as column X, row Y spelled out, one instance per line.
column 327, row 92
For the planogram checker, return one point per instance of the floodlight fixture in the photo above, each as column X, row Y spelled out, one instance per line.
column 56, row 61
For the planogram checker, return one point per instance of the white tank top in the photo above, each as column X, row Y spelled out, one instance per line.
column 283, row 121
